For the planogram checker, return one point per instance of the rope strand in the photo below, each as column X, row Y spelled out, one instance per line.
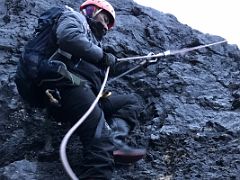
column 64, row 142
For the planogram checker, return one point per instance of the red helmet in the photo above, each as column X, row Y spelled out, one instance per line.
column 103, row 5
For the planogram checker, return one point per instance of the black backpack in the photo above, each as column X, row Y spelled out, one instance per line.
column 37, row 71
column 43, row 43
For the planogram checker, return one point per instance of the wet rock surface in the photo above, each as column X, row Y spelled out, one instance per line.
column 189, row 121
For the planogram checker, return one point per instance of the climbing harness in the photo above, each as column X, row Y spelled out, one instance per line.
column 71, row 131
column 150, row 58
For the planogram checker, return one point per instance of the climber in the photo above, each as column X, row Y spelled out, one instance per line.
column 75, row 76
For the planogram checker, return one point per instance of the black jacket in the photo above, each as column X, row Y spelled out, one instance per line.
column 75, row 37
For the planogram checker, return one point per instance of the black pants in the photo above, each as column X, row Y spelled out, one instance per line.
column 121, row 106
column 98, row 162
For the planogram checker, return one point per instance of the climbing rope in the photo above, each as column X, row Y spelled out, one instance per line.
column 170, row 52
column 153, row 58
column 64, row 142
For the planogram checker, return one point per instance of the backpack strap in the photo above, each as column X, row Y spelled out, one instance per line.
column 65, row 73
column 72, row 78
column 64, row 53
column 63, row 70
column 60, row 74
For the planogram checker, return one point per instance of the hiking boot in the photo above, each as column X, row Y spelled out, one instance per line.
column 124, row 154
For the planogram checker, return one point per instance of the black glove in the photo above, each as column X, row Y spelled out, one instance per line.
column 109, row 60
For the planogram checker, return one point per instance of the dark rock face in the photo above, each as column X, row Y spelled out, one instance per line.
column 190, row 120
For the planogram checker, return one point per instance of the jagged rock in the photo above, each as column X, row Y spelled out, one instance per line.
column 190, row 102
column 19, row 170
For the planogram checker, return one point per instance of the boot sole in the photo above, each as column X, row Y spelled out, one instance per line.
column 125, row 158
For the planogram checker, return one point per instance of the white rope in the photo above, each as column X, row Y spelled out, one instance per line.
column 64, row 142
column 170, row 52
